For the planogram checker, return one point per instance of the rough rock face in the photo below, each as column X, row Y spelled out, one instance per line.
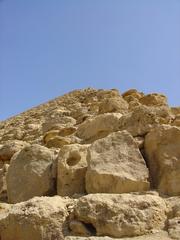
column 161, row 235
column 113, row 105
column 162, row 147
column 173, row 223
column 98, row 127
column 72, row 166
column 30, row 174
column 115, row 165
column 38, row 218
column 121, row 215
column 8, row 149
column 3, row 184
column 143, row 119
column 113, row 158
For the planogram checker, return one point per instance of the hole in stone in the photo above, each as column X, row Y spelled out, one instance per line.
column 73, row 159
column 90, row 228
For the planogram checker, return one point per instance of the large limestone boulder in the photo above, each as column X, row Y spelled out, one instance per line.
column 154, row 99
column 72, row 166
column 98, row 127
column 30, row 174
column 163, row 156
column 8, row 149
column 121, row 215
column 117, row 104
column 142, row 119
column 115, row 165
column 39, row 218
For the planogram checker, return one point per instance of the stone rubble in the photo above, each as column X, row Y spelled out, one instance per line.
column 92, row 165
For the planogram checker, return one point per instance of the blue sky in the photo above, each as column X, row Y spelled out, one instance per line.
column 48, row 48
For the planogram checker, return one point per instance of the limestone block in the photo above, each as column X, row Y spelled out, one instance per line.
column 163, row 156
column 143, row 119
column 160, row 235
column 121, row 215
column 8, row 149
column 117, row 104
column 30, row 174
column 154, row 99
column 57, row 123
column 115, row 165
column 38, row 218
column 72, row 166
column 98, row 127
column 133, row 93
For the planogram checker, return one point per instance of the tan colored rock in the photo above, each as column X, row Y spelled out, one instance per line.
column 143, row 119
column 30, row 174
column 38, row 218
column 72, row 166
column 173, row 204
column 3, row 185
column 175, row 110
column 8, row 149
column 133, row 103
column 140, row 142
column 174, row 228
column 102, row 94
column 64, row 132
column 78, row 228
column 109, row 105
column 115, row 165
column 59, row 142
column 56, row 123
column 163, row 156
column 176, row 121
column 121, row 215
column 4, row 211
column 61, row 137
column 154, row 99
column 133, row 93
column 98, row 127
column 160, row 235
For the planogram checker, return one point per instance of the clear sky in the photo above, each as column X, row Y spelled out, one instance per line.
column 50, row 47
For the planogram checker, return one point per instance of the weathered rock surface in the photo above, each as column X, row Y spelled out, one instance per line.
column 121, row 215
column 160, row 235
column 30, row 174
column 38, row 218
column 140, row 121
column 173, row 223
column 117, row 104
column 8, row 149
column 154, row 99
column 92, row 141
column 72, row 166
column 98, row 127
column 115, row 165
column 163, row 156
column 174, row 228
column 3, row 185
